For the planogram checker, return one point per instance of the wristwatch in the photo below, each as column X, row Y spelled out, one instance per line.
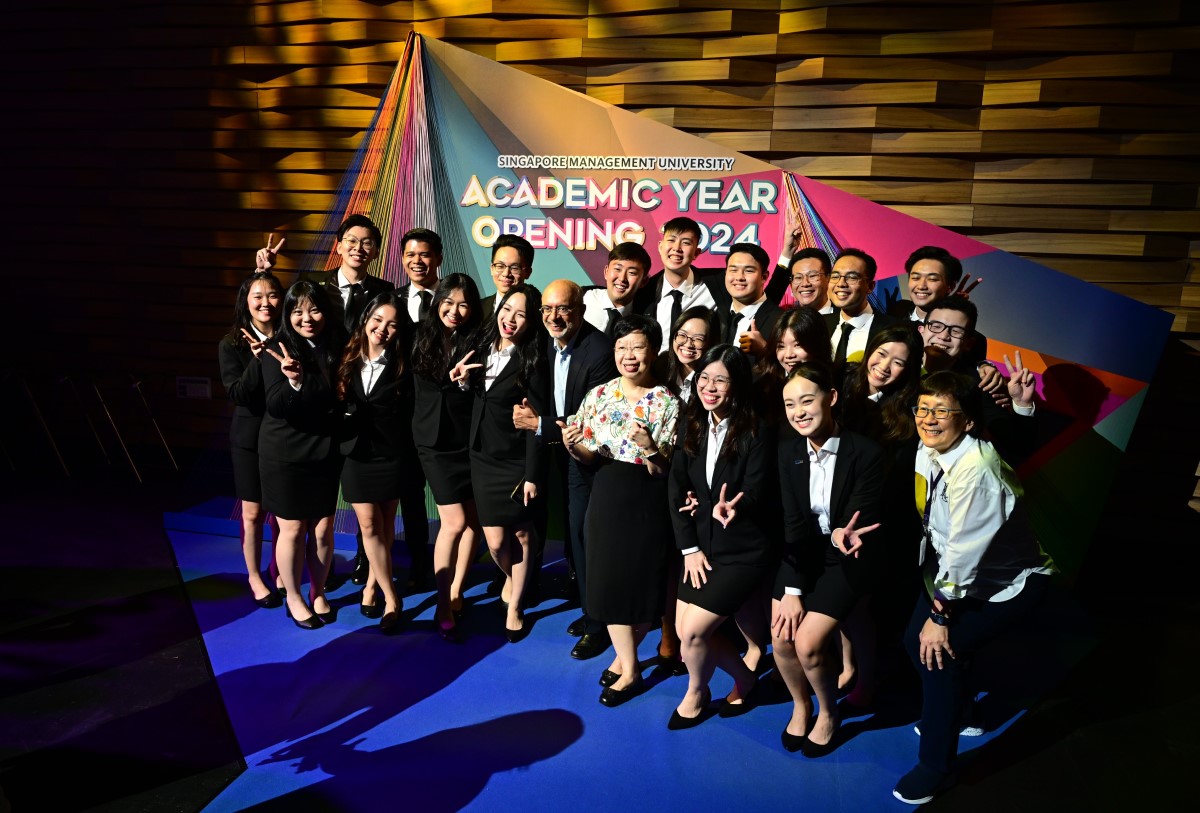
column 942, row 619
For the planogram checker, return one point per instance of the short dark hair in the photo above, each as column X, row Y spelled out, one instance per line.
column 523, row 247
column 961, row 388
column 818, row 372
column 950, row 263
column 630, row 251
column 956, row 303
column 638, row 323
column 755, row 251
column 423, row 236
column 868, row 261
column 682, row 225
column 810, row 252
column 365, row 222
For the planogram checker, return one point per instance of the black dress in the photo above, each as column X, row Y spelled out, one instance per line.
column 241, row 374
column 441, row 430
column 299, row 457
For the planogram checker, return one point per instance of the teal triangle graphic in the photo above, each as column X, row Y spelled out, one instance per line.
column 1118, row 425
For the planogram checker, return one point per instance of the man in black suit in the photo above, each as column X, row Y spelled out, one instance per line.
column 421, row 258
column 581, row 358
column 747, row 314
column 680, row 285
column 351, row 286
column 855, row 323
column 628, row 265
column 512, row 263
column 934, row 273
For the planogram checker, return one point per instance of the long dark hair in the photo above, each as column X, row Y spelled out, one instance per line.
column 332, row 337
column 742, row 426
column 356, row 348
column 672, row 368
column 808, row 328
column 434, row 353
column 892, row 421
column 242, row 320
column 531, row 349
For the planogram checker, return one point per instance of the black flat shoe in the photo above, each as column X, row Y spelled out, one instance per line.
column 371, row 610
column 608, row 678
column 679, row 723
column 673, row 666
column 728, row 709
column 814, row 750
column 614, row 697
column 270, row 601
column 590, row 645
column 577, row 627
column 792, row 742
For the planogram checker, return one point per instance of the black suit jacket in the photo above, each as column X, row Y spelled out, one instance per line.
column 487, row 307
column 749, row 472
column 881, row 320
column 592, row 364
column 859, row 473
column 241, row 375
column 404, row 291
column 765, row 317
column 441, row 413
column 372, row 286
column 299, row 426
column 645, row 301
column 492, row 430
column 379, row 424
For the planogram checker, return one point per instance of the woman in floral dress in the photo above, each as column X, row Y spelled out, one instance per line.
column 625, row 428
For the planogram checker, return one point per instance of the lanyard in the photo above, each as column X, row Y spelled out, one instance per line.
column 929, row 497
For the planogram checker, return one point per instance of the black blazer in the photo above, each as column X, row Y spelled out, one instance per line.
column 487, row 307
column 592, row 364
column 881, row 320
column 747, row 540
column 858, row 477
column 403, row 292
column 492, row 431
column 299, row 426
column 645, row 301
column 765, row 317
column 441, row 413
column 372, row 286
column 241, row 375
column 379, row 424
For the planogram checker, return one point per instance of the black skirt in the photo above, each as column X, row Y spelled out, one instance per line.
column 835, row 593
column 448, row 473
column 247, row 483
column 727, row 588
column 629, row 537
column 372, row 481
column 305, row 490
column 493, row 481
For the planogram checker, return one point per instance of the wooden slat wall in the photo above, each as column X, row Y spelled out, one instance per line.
column 152, row 144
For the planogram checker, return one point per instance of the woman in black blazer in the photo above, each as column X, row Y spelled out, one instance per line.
column 721, row 482
column 256, row 317
column 376, row 387
column 441, row 428
column 832, row 486
column 299, row 459
column 508, row 465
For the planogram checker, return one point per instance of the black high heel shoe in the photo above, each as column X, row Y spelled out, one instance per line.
column 390, row 622
column 794, row 742
column 728, row 709
column 270, row 601
column 371, row 610
column 313, row 622
column 449, row 634
column 517, row 635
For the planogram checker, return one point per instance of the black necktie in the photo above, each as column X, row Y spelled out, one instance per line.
column 731, row 332
column 354, row 306
column 839, row 355
column 423, row 308
column 614, row 316
column 676, row 305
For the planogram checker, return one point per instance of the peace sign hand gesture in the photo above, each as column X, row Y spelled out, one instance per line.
column 289, row 366
column 264, row 260
column 965, row 286
column 849, row 539
column 462, row 371
column 724, row 511
column 690, row 504
column 256, row 347
column 1021, row 384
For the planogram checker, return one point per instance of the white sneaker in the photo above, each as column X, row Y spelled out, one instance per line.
column 965, row 731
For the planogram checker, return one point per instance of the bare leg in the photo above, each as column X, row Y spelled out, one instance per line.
column 703, row 651
column 522, row 562
column 860, row 628
column 792, row 673
column 445, row 547
column 846, row 648
column 252, row 543
column 812, row 647
column 464, row 556
column 668, row 647
column 288, row 552
column 625, row 640
column 754, row 622
column 273, row 566
column 319, row 553
column 378, row 525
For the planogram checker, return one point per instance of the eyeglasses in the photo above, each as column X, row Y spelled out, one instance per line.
column 811, row 276
column 718, row 381
column 851, row 277
column 941, row 413
column 515, row 268
column 956, row 332
column 556, row 310
column 354, row 242
column 690, row 340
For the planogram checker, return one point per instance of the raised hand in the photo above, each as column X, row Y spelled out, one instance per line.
column 965, row 286
column 694, row 565
column 690, row 505
column 752, row 340
column 256, row 347
column 725, row 510
column 849, row 539
column 1021, row 384
column 991, row 380
column 264, row 260
column 462, row 371
column 525, row 416
column 289, row 366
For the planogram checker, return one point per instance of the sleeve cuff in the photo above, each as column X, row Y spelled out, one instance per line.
column 295, row 384
column 1025, row 411
column 686, row 551
column 792, row 591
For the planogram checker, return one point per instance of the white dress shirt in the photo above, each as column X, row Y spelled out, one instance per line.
column 595, row 308
column 413, row 304
column 858, row 336
column 694, row 293
column 821, row 463
column 371, row 370
column 497, row 360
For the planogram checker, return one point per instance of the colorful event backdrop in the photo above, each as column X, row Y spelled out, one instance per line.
column 474, row 149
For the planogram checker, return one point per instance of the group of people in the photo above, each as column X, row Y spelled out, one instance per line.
column 724, row 462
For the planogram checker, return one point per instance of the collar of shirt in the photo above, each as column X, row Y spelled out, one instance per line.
column 685, row 287
column 262, row 337
column 830, row 447
column 505, row 352
column 946, row 460
column 748, row 311
column 342, row 281
column 379, row 361
column 415, row 293
column 560, row 351
column 860, row 321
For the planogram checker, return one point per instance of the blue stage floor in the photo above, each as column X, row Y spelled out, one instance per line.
column 343, row 718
